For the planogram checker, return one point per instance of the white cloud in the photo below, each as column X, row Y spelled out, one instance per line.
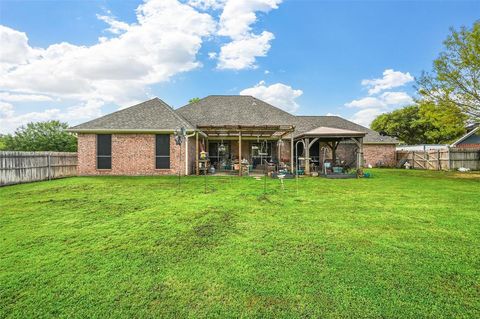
column 121, row 67
column 366, row 102
column 236, row 23
column 366, row 116
column 9, row 121
column 379, row 102
column 373, row 106
column 396, row 98
column 164, row 42
column 116, row 27
column 6, row 110
column 278, row 94
column 390, row 79
column 241, row 54
column 12, row 97
column 385, row 100
column 207, row 4
column 238, row 16
column 15, row 49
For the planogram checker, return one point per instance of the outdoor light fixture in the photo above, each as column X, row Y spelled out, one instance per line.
column 180, row 135
column 221, row 147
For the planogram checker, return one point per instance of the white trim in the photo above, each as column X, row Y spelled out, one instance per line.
column 186, row 153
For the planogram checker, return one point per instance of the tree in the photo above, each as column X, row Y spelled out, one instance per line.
column 194, row 100
column 424, row 123
column 455, row 77
column 42, row 136
column 2, row 142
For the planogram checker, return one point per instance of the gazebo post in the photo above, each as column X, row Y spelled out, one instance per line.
column 307, row 156
column 291, row 152
column 359, row 142
column 240, row 153
column 197, row 171
column 334, row 152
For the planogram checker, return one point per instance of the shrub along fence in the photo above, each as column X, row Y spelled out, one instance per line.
column 24, row 167
column 443, row 159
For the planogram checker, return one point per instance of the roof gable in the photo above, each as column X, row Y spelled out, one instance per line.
column 152, row 115
column 234, row 110
column 467, row 136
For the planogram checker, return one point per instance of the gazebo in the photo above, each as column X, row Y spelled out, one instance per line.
column 331, row 137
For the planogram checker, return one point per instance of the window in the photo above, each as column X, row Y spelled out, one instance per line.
column 104, row 151
column 162, row 151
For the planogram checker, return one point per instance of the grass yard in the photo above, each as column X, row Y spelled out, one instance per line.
column 403, row 244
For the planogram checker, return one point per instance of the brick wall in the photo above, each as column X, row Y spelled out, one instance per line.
column 191, row 155
column 468, row 146
column 375, row 154
column 132, row 154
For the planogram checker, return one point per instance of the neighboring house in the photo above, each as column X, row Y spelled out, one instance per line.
column 139, row 140
column 469, row 140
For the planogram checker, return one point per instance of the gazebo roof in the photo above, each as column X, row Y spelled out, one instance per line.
column 324, row 131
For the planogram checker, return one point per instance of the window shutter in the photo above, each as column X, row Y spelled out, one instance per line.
column 162, row 151
column 104, row 151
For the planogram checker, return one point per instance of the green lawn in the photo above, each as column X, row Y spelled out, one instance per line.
column 402, row 244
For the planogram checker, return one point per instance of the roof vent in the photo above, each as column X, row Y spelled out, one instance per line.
column 254, row 103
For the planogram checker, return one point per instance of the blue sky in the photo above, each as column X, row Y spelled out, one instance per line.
column 75, row 60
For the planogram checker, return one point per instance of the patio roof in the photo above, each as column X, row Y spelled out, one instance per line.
column 330, row 132
column 264, row 131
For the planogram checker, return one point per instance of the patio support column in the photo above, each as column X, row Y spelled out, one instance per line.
column 291, row 153
column 197, row 172
column 307, row 156
column 240, row 153
column 359, row 142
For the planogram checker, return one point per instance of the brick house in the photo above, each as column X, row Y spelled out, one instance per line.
column 233, row 130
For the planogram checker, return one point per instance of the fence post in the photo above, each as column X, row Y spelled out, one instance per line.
column 438, row 160
column 449, row 160
column 413, row 159
column 49, row 167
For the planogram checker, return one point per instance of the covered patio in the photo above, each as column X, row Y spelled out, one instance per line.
column 321, row 140
column 240, row 148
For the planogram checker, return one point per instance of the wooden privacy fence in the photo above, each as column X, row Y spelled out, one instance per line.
column 443, row 159
column 24, row 167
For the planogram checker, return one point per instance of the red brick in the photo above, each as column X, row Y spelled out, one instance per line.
column 132, row 154
column 379, row 155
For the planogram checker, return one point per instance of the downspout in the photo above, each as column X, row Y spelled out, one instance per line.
column 186, row 152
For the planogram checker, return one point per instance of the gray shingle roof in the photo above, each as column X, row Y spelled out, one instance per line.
column 234, row 110
column 306, row 123
column 217, row 110
column 153, row 114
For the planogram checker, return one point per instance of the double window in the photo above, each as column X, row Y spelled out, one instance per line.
column 162, row 151
column 104, row 151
